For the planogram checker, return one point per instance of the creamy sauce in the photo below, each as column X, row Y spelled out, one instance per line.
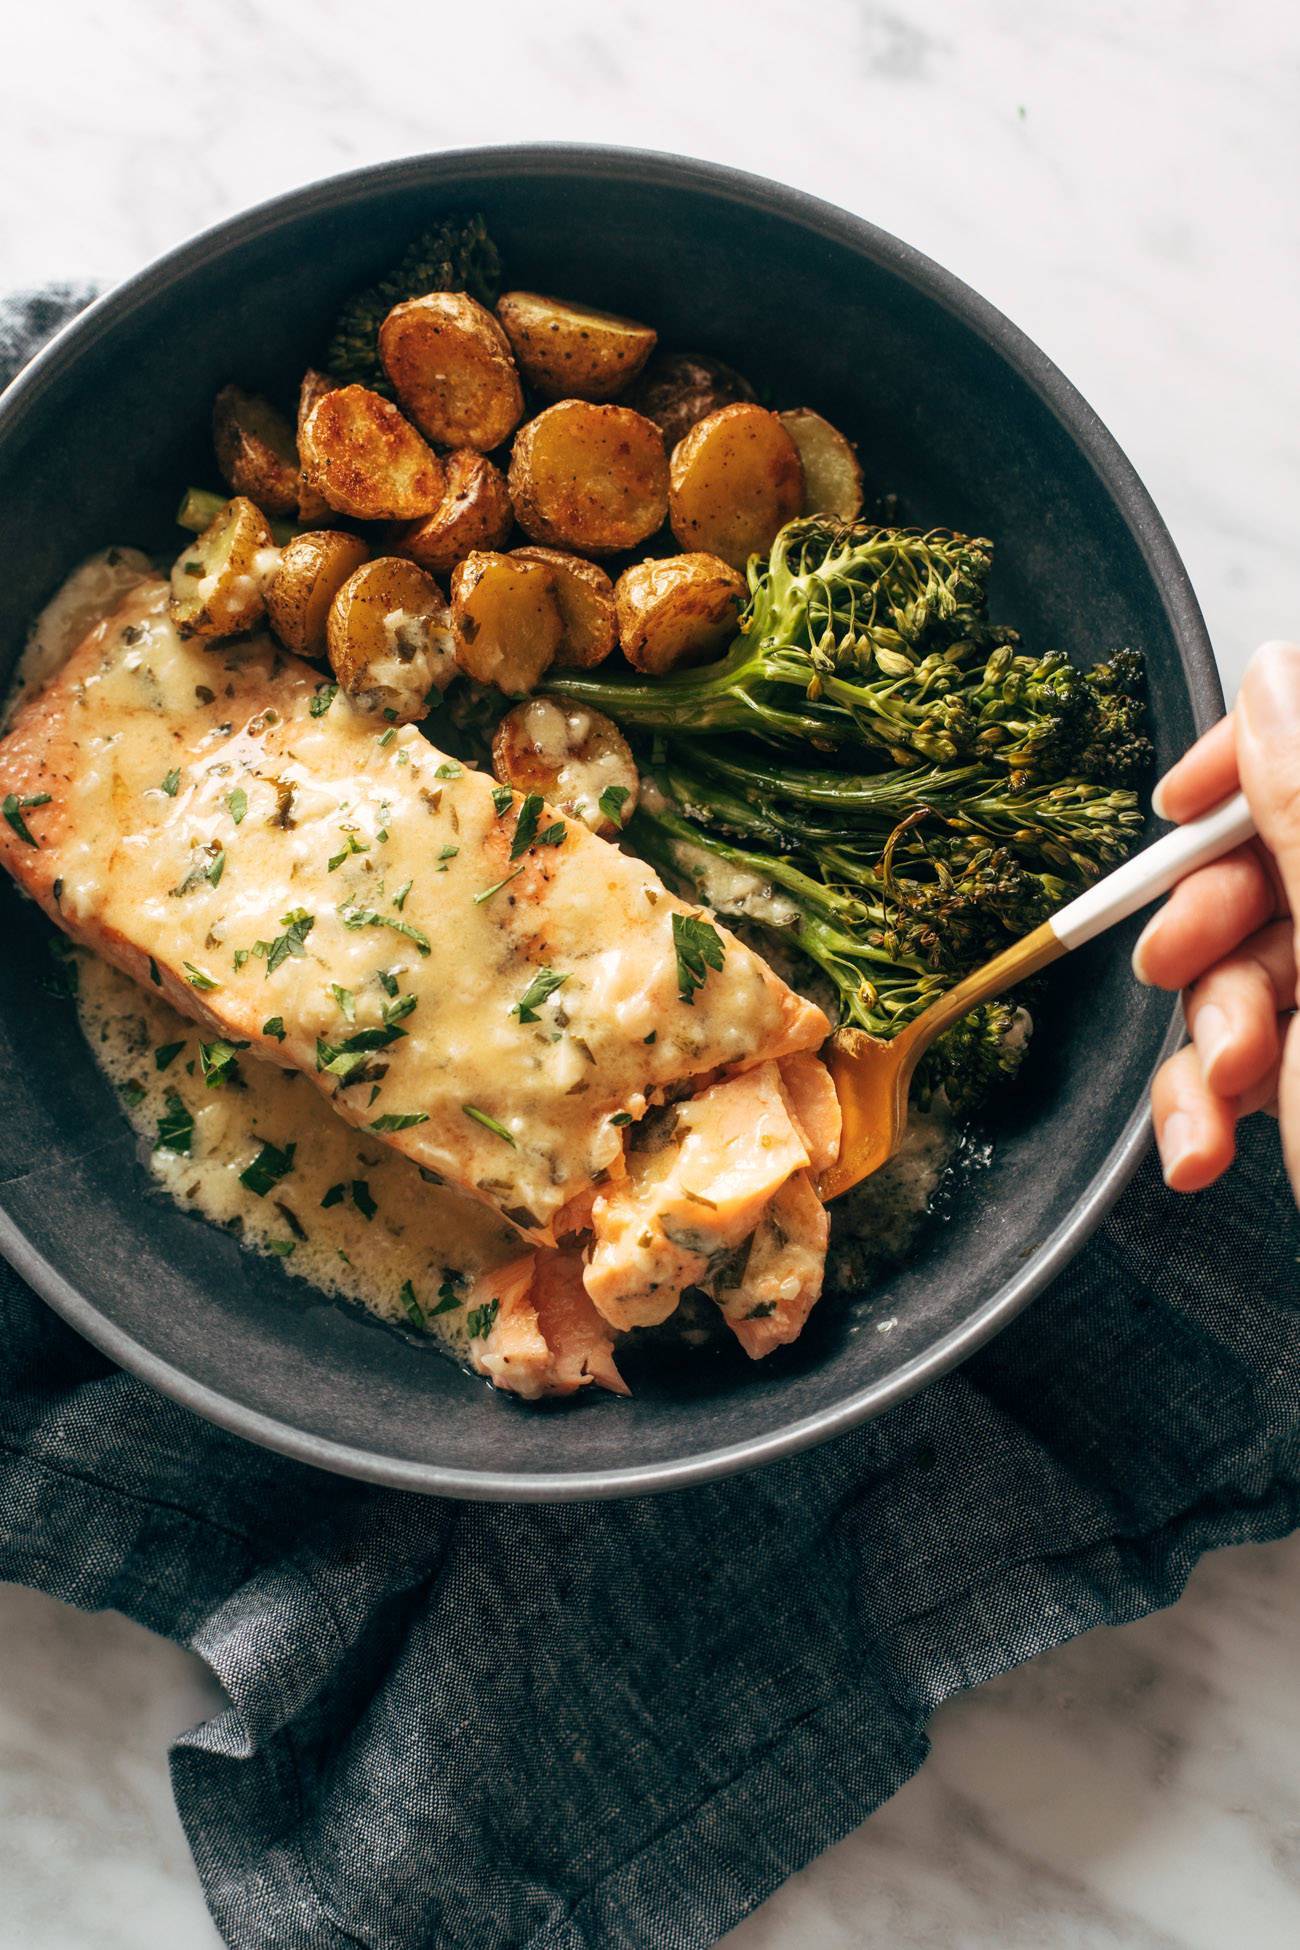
column 559, row 734
column 732, row 890
column 352, row 1216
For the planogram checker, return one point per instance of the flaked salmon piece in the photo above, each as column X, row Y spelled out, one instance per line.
column 343, row 899
column 692, row 1197
column 816, row 1107
column 783, row 1273
column 546, row 1338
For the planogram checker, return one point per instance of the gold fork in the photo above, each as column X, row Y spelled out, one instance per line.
column 872, row 1077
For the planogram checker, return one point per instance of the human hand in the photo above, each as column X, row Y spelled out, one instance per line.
column 1228, row 936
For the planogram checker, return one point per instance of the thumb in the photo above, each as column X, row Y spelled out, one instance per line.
column 1268, row 757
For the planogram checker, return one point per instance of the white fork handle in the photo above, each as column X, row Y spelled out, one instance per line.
column 1154, row 871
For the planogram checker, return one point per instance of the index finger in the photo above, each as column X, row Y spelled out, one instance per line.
column 1202, row 776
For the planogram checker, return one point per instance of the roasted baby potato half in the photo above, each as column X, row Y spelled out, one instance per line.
column 575, row 757
column 366, row 460
column 587, row 477
column 390, row 638
column 452, row 368
column 313, row 568
column 255, row 450
column 505, row 619
column 474, row 513
column 832, row 479
column 677, row 610
column 571, row 351
column 736, row 479
column 677, row 389
column 217, row 578
column 313, row 387
column 585, row 596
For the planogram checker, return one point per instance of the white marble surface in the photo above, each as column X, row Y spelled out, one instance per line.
column 1121, row 179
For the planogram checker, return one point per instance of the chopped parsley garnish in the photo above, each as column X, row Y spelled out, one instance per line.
column 448, row 770
column 354, row 845
column 274, row 1026
column 621, row 1117
column 448, row 1298
column 367, row 917
column 699, row 948
column 324, row 696
column 761, row 1311
column 297, row 925
column 209, row 868
column 398, row 1011
column 544, row 983
column 346, row 1000
column 553, row 834
column 218, row 1061
column 334, row 1196
column 343, row 1059
column 612, row 801
column 399, row 898
column 237, row 804
column 448, row 853
column 386, row 980
column 175, row 1127
column 502, row 798
column 399, row 1120
column 487, row 892
column 386, row 737
column 13, row 809
column 131, row 1093
column 166, row 1054
column 267, row 1169
column 196, row 977
column 154, row 976
column 362, row 1199
column 171, row 785
column 240, row 957
column 291, row 1219
column 489, row 1123
column 530, row 814
column 414, row 1312
column 480, row 1319
column 280, row 1247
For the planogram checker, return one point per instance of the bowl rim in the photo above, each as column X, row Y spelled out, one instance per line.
column 656, row 167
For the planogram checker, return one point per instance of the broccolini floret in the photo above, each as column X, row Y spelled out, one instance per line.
column 457, row 255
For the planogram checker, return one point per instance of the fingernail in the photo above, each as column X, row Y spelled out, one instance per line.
column 1140, row 948
column 1177, row 1143
column 1212, row 1034
column 1158, row 800
column 1270, row 691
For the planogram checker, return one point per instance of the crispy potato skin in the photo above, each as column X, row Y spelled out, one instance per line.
column 505, row 619
column 571, row 351
column 313, row 568
column 475, row 513
column 453, row 370
column 585, row 595
column 255, row 450
column 736, row 479
column 366, row 460
column 226, row 596
column 677, row 610
column 570, row 754
column 389, row 638
column 677, row 389
column 313, row 387
column 590, row 478
column 831, row 475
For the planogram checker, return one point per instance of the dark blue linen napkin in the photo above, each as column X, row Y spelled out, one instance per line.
column 621, row 1726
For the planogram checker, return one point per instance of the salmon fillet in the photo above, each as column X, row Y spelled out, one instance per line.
column 343, row 900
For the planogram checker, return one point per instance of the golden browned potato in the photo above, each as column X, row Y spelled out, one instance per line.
column 587, row 477
column 570, row 351
column 255, row 450
column 474, row 513
column 505, row 620
column 678, row 610
column 452, row 368
column 585, row 595
column 366, row 460
column 832, row 479
column 314, row 386
column 313, row 568
column 218, row 578
column 736, row 479
column 575, row 757
column 678, row 388
column 389, row 636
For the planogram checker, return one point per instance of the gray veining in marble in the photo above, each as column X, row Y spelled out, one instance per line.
column 1121, row 179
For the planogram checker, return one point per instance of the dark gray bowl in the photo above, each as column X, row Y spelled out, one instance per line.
column 955, row 410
